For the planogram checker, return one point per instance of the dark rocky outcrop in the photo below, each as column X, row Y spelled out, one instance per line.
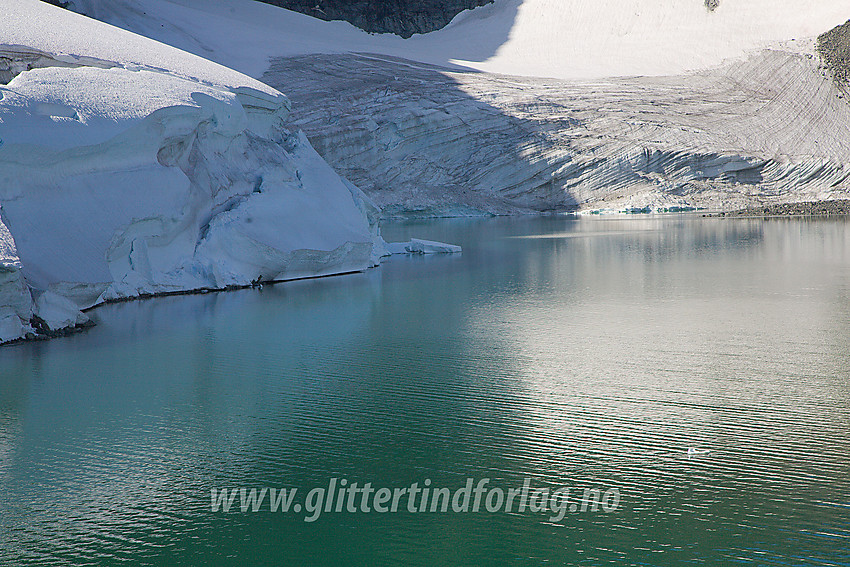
column 810, row 208
column 402, row 17
column 834, row 50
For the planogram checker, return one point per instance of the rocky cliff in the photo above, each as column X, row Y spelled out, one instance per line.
column 834, row 49
column 402, row 17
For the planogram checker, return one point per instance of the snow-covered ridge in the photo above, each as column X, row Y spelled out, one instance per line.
column 130, row 168
column 76, row 39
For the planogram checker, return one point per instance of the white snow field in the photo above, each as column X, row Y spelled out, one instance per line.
column 128, row 167
column 564, row 39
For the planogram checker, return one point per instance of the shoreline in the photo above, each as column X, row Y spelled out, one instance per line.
column 833, row 208
column 45, row 334
column 838, row 207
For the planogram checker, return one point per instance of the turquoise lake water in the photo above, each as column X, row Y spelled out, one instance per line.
column 580, row 353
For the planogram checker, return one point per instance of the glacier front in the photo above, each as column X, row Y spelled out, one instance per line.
column 540, row 105
column 122, row 177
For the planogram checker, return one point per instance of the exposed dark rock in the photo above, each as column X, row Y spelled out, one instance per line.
column 712, row 4
column 834, row 50
column 812, row 208
column 44, row 332
column 402, row 17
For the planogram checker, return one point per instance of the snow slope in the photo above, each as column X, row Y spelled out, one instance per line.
column 548, row 38
column 128, row 167
column 71, row 38
column 606, row 38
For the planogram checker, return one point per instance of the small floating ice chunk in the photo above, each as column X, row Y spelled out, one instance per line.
column 693, row 451
column 419, row 246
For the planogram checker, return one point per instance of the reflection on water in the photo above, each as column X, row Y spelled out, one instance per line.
column 573, row 352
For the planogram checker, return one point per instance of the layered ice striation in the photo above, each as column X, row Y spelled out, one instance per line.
column 425, row 141
column 119, row 180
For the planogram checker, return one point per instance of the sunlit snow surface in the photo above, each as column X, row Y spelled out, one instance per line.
column 547, row 38
column 128, row 167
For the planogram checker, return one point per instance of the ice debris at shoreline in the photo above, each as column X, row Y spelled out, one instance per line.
column 419, row 246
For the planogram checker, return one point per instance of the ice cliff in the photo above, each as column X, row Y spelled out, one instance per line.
column 129, row 168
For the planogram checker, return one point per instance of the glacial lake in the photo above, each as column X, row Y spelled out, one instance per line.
column 697, row 369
